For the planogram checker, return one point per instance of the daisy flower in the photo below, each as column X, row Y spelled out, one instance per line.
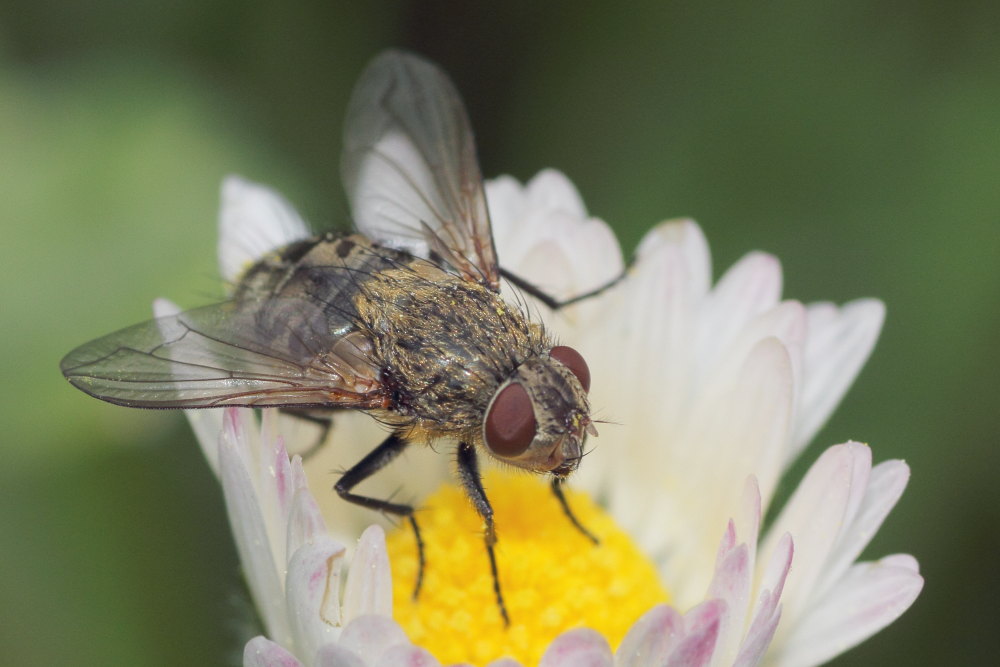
column 709, row 393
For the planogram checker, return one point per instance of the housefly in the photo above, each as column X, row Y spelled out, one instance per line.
column 402, row 319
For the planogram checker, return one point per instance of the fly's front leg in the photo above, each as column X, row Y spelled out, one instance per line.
column 554, row 303
column 377, row 459
column 557, row 483
column 468, row 471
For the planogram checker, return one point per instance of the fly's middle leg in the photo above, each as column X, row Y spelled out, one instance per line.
column 374, row 461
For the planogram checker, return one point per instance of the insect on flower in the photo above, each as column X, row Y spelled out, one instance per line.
column 403, row 320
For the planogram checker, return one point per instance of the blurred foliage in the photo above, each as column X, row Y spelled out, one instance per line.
column 857, row 141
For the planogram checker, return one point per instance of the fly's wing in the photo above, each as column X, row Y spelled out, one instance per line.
column 410, row 169
column 276, row 352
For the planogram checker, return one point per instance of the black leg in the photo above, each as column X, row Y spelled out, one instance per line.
column 324, row 421
column 468, row 471
column 557, row 483
column 551, row 301
column 374, row 461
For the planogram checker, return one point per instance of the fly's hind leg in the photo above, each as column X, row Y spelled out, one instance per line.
column 554, row 303
column 557, row 483
column 324, row 420
column 468, row 471
column 374, row 461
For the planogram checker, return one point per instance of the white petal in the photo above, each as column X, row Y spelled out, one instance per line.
column 686, row 236
column 253, row 221
column 250, row 532
column 885, row 486
column 369, row 581
column 748, row 424
column 643, row 381
column 262, row 652
column 505, row 200
column 313, row 594
column 371, row 636
column 868, row 598
column 838, row 345
column 550, row 189
column 823, row 504
column 739, row 433
column 750, row 287
column 578, row 648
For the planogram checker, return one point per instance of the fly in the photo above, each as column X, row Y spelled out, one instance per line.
column 403, row 319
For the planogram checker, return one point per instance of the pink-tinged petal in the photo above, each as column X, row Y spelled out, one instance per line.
column 262, row 652
column 581, row 647
column 275, row 466
column 371, row 636
column 503, row 662
column 823, row 504
column 369, row 581
column 650, row 640
column 731, row 584
column 885, row 487
column 313, row 594
column 702, row 631
column 839, row 343
column 758, row 640
column 253, row 220
column 335, row 655
column 775, row 575
column 407, row 656
column 273, row 482
column 869, row 597
column 305, row 522
column 250, row 532
column 299, row 479
column 767, row 612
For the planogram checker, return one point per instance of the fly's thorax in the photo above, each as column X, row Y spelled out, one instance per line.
column 539, row 417
column 445, row 346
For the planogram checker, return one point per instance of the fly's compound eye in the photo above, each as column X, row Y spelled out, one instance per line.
column 510, row 422
column 573, row 360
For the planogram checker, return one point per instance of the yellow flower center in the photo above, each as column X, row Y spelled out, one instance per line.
column 553, row 578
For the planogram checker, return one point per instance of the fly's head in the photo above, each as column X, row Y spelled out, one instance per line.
column 538, row 418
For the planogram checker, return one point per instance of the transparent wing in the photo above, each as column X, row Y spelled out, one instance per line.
column 410, row 169
column 278, row 352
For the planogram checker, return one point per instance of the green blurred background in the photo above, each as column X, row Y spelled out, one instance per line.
column 859, row 141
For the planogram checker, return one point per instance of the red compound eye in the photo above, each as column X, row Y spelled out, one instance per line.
column 572, row 360
column 510, row 422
